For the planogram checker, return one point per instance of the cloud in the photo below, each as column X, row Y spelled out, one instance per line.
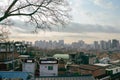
column 19, row 26
column 70, row 28
column 71, row 32
column 83, row 28
column 104, row 12
column 104, row 4
column 67, row 36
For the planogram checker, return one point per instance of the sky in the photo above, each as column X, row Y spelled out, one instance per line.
column 91, row 20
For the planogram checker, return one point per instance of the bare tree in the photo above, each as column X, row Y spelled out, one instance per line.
column 4, row 34
column 39, row 13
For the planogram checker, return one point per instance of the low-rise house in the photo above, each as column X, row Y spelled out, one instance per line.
column 61, row 67
column 111, row 74
column 82, row 58
column 8, row 56
column 114, row 72
column 86, row 69
column 29, row 65
column 48, row 67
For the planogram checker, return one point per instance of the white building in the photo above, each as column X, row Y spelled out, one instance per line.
column 113, row 70
column 48, row 67
column 29, row 66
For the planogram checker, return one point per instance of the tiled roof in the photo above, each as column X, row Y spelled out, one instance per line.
column 86, row 67
column 67, row 78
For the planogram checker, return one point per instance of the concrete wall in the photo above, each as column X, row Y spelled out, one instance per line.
column 28, row 67
column 45, row 72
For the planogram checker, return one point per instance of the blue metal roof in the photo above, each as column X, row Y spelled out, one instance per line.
column 11, row 75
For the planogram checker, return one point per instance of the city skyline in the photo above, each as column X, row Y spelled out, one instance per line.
column 102, row 45
column 63, row 42
column 91, row 20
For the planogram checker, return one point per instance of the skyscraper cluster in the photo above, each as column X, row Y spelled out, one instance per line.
column 49, row 44
column 107, row 45
column 96, row 45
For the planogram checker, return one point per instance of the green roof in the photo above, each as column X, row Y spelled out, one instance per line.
column 63, row 56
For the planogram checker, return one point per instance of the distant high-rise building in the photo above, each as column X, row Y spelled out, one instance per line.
column 115, row 44
column 80, row 45
column 96, row 45
column 81, row 42
column 61, row 43
column 109, row 44
column 36, row 43
column 103, row 45
column 23, row 42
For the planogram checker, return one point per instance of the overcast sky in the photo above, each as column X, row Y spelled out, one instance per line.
column 92, row 20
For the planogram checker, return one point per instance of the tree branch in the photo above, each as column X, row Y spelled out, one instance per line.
column 9, row 8
column 41, row 13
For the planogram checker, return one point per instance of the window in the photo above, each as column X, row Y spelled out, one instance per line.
column 3, row 48
column 116, row 70
column 45, row 66
column 50, row 67
column 8, row 48
column 11, row 47
column 18, row 49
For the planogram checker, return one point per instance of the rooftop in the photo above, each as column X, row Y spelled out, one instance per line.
column 49, row 60
column 102, row 65
column 63, row 56
column 87, row 67
column 12, row 75
column 84, row 77
column 24, row 56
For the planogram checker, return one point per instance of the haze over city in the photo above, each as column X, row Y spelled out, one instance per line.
column 91, row 20
column 59, row 40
